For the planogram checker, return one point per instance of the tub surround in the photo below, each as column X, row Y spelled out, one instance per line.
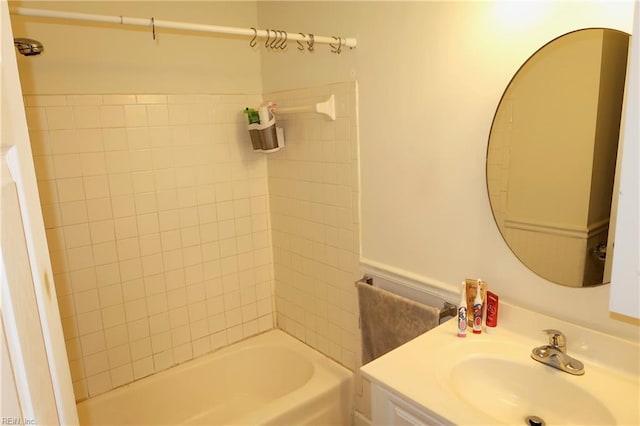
column 156, row 214
column 314, row 210
column 159, row 221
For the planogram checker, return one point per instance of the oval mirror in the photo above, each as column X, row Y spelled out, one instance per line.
column 552, row 153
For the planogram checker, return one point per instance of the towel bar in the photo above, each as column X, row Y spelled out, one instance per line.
column 367, row 279
column 447, row 310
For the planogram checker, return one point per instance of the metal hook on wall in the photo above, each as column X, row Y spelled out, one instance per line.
column 153, row 27
column 253, row 42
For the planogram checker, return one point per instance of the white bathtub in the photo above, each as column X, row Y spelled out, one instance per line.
column 269, row 379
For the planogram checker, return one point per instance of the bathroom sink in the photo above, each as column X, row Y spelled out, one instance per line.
column 516, row 391
column 492, row 379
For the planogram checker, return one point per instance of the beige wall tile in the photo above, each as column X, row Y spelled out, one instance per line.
column 93, row 163
column 59, row 117
column 66, row 166
column 143, row 368
column 150, row 244
column 135, row 115
column 118, row 162
column 130, row 269
column 138, row 329
column 113, row 315
column 138, row 138
column 112, row 116
column 45, row 100
column 119, row 355
column 99, row 383
column 163, row 360
column 63, row 141
column 123, row 205
column 121, row 375
column 117, row 337
column 99, row 209
column 137, row 194
column 114, row 139
column 118, row 99
column 83, row 99
column 96, row 363
column 126, row 227
column 86, row 117
column 158, row 115
column 92, row 343
column 108, row 274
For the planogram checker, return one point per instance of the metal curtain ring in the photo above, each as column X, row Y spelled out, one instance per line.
column 253, row 42
column 334, row 49
column 311, row 42
column 275, row 40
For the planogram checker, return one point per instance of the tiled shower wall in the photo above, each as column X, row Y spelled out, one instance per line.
column 314, row 202
column 157, row 221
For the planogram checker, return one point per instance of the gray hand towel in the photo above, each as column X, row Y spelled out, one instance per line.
column 388, row 320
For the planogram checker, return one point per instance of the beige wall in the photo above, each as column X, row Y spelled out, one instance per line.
column 103, row 58
column 430, row 75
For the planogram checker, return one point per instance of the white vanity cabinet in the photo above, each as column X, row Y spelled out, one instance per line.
column 389, row 408
column 439, row 379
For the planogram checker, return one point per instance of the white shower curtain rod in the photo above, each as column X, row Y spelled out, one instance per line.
column 336, row 42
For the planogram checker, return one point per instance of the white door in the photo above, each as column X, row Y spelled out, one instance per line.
column 29, row 367
column 36, row 383
column 625, row 277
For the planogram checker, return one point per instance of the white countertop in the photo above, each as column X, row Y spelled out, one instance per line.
column 420, row 371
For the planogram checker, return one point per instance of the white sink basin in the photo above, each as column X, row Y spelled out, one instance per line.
column 514, row 390
column 491, row 379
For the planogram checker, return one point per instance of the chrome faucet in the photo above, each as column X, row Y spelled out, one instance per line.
column 555, row 354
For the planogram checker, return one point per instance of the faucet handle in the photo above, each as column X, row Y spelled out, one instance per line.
column 557, row 339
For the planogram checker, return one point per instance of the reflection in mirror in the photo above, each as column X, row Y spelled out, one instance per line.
column 552, row 153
